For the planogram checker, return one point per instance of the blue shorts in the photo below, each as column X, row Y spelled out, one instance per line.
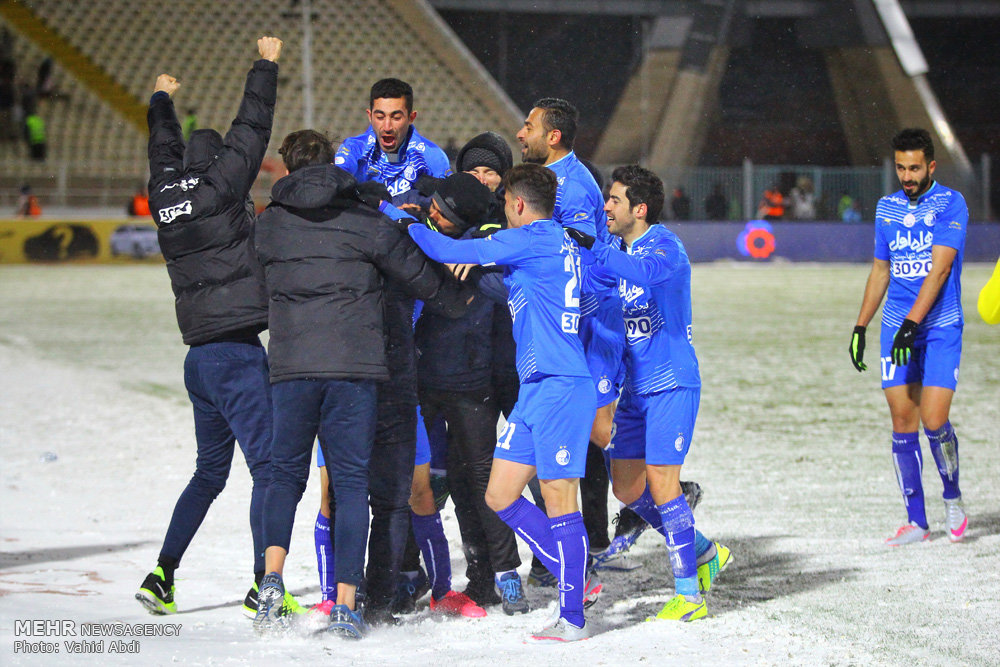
column 656, row 427
column 604, row 349
column 320, row 461
column 432, row 443
column 549, row 427
column 934, row 360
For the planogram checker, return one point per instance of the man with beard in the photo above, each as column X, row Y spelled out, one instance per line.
column 919, row 242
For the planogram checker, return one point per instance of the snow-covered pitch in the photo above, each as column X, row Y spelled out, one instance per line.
column 792, row 449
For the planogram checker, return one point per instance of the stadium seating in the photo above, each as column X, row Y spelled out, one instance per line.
column 209, row 47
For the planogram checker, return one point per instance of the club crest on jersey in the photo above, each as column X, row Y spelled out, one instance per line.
column 909, row 220
column 562, row 456
column 929, row 219
column 410, row 173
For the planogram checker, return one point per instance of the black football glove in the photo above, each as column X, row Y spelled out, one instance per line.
column 372, row 193
column 902, row 344
column 857, row 349
column 583, row 240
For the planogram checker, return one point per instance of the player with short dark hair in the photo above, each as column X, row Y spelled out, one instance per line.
column 391, row 151
column 919, row 243
column 548, row 428
column 659, row 404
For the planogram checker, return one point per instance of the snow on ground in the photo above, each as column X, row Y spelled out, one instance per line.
column 791, row 447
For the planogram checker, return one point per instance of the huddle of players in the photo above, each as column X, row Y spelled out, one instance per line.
column 331, row 269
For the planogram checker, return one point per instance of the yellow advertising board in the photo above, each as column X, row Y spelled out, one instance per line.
column 99, row 241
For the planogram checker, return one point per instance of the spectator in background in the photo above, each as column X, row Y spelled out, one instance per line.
column 772, row 205
column 138, row 205
column 843, row 204
column 802, row 200
column 190, row 123
column 34, row 131
column 715, row 204
column 681, row 205
column 852, row 213
column 27, row 203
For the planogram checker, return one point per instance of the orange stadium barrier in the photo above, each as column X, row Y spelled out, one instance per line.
column 96, row 241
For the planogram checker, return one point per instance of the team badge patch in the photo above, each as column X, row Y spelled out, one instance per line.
column 909, row 220
column 929, row 219
column 562, row 456
column 604, row 386
column 679, row 443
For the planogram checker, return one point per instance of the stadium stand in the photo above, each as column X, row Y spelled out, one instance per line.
column 205, row 46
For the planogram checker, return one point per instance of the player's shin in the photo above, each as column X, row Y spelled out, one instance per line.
column 531, row 525
column 571, row 542
column 944, row 447
column 679, row 524
column 909, row 466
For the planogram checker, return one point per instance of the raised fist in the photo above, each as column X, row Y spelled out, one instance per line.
column 269, row 48
column 166, row 84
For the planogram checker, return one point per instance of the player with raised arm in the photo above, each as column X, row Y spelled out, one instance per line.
column 549, row 426
column 659, row 405
column 199, row 196
column 919, row 243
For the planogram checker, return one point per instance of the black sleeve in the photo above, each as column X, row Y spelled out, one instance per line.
column 166, row 142
column 246, row 142
column 398, row 257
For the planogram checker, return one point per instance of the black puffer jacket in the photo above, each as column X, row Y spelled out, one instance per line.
column 324, row 256
column 205, row 220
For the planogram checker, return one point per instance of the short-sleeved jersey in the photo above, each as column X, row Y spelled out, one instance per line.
column 364, row 159
column 580, row 205
column 579, row 202
column 904, row 234
column 654, row 283
column 542, row 274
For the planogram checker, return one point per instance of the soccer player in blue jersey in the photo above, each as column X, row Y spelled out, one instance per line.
column 919, row 242
column 548, row 429
column 656, row 416
column 547, row 138
column 391, row 151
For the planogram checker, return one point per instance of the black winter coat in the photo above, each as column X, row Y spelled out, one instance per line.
column 326, row 257
column 204, row 218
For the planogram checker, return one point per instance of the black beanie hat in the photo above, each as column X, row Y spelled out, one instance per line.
column 463, row 199
column 485, row 150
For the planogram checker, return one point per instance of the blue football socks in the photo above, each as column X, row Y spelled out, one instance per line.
column 530, row 524
column 324, row 557
column 679, row 524
column 944, row 447
column 571, row 542
column 429, row 536
column 909, row 466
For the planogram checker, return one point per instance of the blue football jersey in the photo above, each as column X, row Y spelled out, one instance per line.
column 654, row 283
column 363, row 158
column 542, row 274
column 904, row 234
column 579, row 202
column 580, row 205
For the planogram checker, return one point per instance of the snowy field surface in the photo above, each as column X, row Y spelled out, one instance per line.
column 792, row 449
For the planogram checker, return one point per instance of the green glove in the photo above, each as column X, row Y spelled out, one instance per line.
column 857, row 349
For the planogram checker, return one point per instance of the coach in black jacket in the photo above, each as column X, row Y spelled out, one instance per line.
column 198, row 199
column 325, row 255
